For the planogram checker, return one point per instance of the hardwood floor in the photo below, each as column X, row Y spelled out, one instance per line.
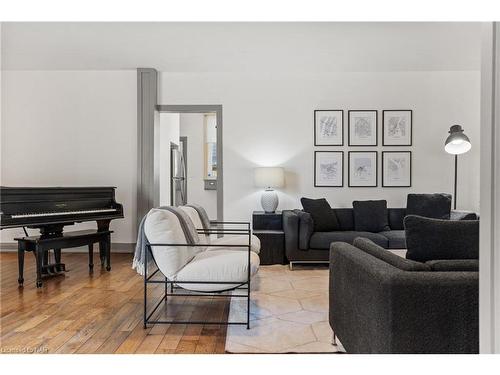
column 99, row 313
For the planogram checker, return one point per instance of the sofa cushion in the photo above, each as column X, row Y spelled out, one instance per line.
column 396, row 238
column 396, row 217
column 217, row 265
column 236, row 240
column 454, row 265
column 463, row 215
column 322, row 240
column 323, row 216
column 345, row 217
column 432, row 239
column 394, row 260
column 370, row 216
column 437, row 206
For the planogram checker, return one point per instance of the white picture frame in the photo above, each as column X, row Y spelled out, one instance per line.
column 329, row 127
column 328, row 168
column 363, row 168
column 363, row 128
column 397, row 127
column 396, row 169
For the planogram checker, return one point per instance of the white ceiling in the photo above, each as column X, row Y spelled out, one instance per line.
column 241, row 47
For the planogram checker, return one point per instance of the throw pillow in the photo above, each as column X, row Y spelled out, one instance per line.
column 437, row 206
column 371, row 216
column 324, row 218
column 433, row 239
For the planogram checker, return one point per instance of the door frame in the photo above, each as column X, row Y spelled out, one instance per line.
column 204, row 108
column 489, row 241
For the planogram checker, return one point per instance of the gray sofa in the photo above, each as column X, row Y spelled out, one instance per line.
column 302, row 244
column 383, row 303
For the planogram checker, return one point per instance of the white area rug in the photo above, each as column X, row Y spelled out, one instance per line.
column 289, row 313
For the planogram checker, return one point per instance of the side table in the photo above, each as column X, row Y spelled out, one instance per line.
column 268, row 227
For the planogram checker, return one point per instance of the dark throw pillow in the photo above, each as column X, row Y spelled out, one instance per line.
column 434, row 239
column 324, row 218
column 437, row 206
column 371, row 216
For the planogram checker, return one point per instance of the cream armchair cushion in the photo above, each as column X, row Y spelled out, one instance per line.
column 218, row 265
column 225, row 240
column 162, row 226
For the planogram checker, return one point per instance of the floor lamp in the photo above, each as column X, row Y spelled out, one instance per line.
column 457, row 143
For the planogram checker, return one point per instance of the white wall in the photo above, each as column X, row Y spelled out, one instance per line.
column 268, row 121
column 72, row 128
column 168, row 133
column 79, row 128
column 192, row 127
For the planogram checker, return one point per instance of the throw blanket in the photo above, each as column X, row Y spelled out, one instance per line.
column 140, row 248
column 205, row 221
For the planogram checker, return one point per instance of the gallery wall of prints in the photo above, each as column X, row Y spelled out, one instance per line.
column 364, row 165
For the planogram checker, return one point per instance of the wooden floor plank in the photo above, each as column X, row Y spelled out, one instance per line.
column 100, row 312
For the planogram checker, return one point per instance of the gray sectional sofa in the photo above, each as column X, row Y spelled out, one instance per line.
column 302, row 244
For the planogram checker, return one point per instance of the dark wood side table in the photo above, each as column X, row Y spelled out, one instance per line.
column 269, row 229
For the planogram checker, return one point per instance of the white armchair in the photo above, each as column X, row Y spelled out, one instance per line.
column 204, row 267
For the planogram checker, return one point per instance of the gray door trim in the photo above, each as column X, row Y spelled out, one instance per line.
column 205, row 108
column 147, row 89
column 489, row 240
column 184, row 141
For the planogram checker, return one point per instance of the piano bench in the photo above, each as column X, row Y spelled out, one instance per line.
column 40, row 245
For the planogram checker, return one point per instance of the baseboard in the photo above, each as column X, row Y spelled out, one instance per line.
column 116, row 247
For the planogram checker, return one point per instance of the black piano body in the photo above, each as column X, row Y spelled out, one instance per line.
column 50, row 209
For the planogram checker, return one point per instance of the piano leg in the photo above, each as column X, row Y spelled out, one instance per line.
column 102, row 252
column 57, row 257
column 20, row 259
column 108, row 253
column 91, row 257
column 103, row 225
column 39, row 262
column 45, row 260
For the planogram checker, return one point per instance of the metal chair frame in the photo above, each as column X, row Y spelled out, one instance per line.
column 238, row 285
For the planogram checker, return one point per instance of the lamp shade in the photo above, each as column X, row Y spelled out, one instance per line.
column 457, row 142
column 269, row 177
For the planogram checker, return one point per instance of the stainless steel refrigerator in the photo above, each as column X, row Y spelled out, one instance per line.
column 178, row 183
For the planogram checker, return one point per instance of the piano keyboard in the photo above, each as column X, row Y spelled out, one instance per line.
column 40, row 214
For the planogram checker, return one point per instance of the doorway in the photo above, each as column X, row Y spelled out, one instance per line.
column 190, row 168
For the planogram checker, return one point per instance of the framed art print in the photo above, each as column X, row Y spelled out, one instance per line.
column 363, row 128
column 397, row 128
column 362, row 168
column 396, row 168
column 328, row 128
column 329, row 168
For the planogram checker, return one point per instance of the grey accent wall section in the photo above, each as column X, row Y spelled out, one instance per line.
column 147, row 96
column 207, row 108
column 489, row 256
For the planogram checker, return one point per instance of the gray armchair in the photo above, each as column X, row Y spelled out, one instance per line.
column 383, row 303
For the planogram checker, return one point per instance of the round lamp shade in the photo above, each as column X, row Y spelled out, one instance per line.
column 457, row 142
column 269, row 177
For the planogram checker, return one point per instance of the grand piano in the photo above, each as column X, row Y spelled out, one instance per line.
column 50, row 209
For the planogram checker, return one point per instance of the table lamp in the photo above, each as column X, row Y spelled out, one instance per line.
column 269, row 178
